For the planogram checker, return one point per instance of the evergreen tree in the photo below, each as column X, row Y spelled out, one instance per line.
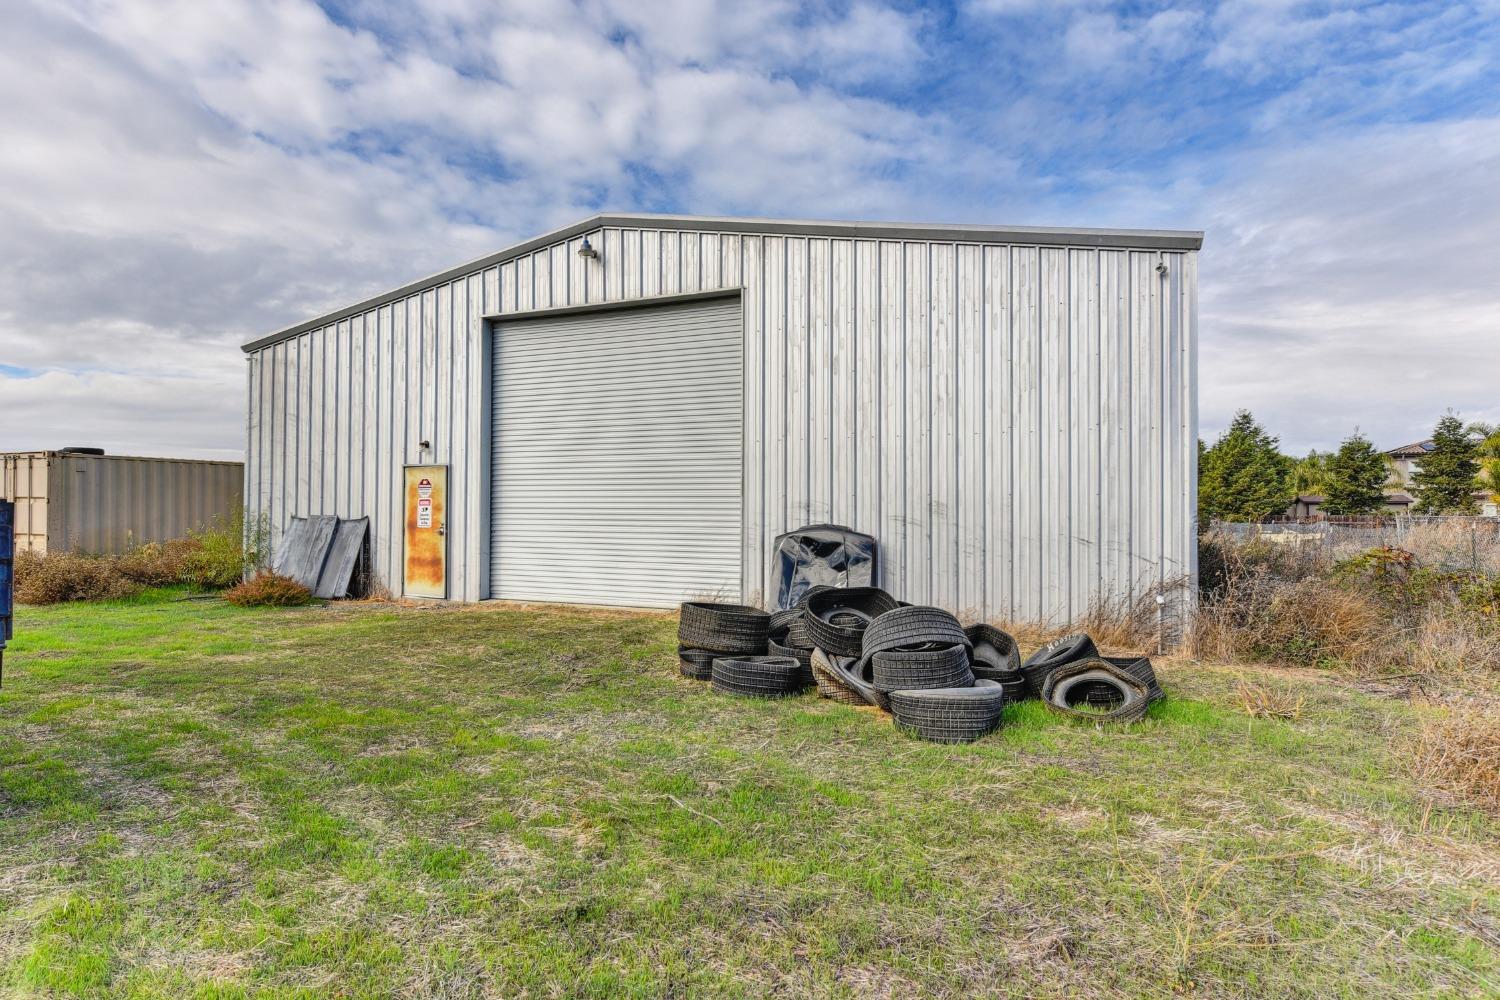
column 1449, row 474
column 1356, row 477
column 1244, row 477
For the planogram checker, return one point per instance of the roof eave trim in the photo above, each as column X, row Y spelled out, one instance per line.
column 1135, row 239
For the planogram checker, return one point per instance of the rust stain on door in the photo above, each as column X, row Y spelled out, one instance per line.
column 426, row 571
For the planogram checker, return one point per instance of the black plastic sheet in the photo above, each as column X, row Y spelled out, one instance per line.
column 829, row 554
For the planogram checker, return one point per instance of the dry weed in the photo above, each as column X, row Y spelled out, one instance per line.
column 1125, row 624
column 1311, row 622
column 1262, row 701
column 1451, row 640
column 268, row 590
column 68, row 576
column 1459, row 752
column 158, row 564
column 1459, row 544
column 1183, row 899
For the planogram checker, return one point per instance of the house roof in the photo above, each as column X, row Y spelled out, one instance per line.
column 1414, row 450
column 1143, row 239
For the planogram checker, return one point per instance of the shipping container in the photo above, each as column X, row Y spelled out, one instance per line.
column 79, row 501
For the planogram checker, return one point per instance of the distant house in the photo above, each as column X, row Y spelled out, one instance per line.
column 1308, row 506
column 1404, row 463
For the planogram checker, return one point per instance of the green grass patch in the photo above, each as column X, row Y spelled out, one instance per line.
column 198, row 800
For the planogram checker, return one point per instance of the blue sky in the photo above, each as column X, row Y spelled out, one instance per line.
column 178, row 177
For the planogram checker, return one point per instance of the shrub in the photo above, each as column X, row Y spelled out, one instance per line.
column 1306, row 622
column 69, row 576
column 268, row 590
column 157, row 564
column 224, row 552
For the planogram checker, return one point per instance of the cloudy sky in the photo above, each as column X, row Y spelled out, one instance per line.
column 180, row 176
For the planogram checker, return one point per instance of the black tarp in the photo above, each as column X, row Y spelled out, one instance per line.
column 830, row 554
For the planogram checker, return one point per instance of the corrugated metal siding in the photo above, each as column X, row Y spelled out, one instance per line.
column 23, row 479
column 108, row 503
column 618, row 456
column 1017, row 423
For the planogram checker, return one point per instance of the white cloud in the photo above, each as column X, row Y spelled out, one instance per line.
column 178, row 177
column 1353, row 281
column 1096, row 40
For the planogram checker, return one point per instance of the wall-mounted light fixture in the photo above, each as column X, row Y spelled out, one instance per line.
column 1161, row 268
column 424, row 445
column 587, row 252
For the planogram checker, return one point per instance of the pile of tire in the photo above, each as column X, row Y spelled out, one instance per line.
column 914, row 662
column 941, row 681
column 729, row 645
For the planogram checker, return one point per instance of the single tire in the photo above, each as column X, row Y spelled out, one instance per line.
column 921, row 669
column 797, row 636
column 783, row 620
column 1015, row 688
column 816, row 588
column 995, row 651
column 911, row 627
column 723, row 628
column 697, row 664
column 1140, row 668
column 802, row 656
column 1096, row 690
column 831, row 683
column 836, row 618
column 757, row 676
column 1054, row 654
column 950, row 715
column 860, row 675
column 850, row 672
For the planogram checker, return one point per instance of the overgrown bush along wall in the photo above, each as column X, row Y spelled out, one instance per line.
column 212, row 558
column 1430, row 605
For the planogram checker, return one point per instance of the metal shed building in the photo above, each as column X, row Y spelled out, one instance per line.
column 629, row 409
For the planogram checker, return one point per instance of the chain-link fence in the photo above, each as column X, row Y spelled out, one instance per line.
column 1449, row 543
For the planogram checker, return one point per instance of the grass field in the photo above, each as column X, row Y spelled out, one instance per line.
column 197, row 800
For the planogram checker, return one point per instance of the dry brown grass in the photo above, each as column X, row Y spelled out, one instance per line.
column 1116, row 626
column 1267, row 701
column 1453, row 640
column 1185, row 894
column 1459, row 752
column 68, row 576
column 1310, row 622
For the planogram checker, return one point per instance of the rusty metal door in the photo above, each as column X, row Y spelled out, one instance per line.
column 426, row 562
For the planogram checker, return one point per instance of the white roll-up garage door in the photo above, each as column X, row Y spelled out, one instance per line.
column 616, row 468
